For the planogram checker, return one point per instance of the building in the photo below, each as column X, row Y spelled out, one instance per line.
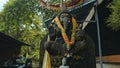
column 9, row 47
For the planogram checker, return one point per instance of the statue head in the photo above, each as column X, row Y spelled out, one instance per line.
column 66, row 20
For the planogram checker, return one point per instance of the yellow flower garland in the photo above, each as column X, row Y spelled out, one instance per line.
column 64, row 35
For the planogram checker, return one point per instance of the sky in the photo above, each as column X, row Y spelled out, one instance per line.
column 2, row 2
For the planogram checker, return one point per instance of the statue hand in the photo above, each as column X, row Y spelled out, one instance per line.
column 80, row 34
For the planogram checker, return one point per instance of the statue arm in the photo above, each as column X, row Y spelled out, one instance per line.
column 79, row 35
column 51, row 32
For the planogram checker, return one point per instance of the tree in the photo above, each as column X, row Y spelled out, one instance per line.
column 20, row 20
column 114, row 18
column 23, row 20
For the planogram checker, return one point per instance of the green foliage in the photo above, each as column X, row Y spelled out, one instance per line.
column 23, row 20
column 53, row 2
column 114, row 19
column 20, row 20
column 47, row 13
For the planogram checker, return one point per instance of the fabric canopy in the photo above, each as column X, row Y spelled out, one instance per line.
column 109, row 38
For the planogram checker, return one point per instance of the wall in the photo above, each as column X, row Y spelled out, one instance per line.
column 108, row 65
